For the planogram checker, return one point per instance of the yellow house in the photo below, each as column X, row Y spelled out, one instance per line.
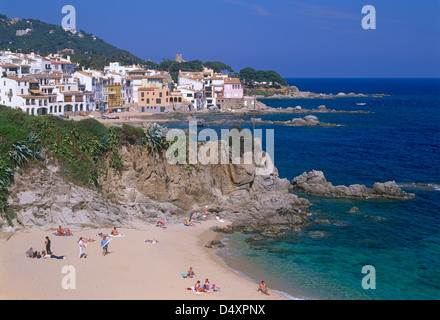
column 114, row 95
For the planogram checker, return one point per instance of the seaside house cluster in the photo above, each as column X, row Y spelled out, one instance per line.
column 53, row 84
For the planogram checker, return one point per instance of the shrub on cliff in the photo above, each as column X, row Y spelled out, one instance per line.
column 84, row 149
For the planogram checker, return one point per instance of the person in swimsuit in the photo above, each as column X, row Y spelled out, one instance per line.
column 190, row 273
column 60, row 231
column 262, row 288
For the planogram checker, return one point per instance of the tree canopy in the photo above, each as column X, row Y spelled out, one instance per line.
column 251, row 77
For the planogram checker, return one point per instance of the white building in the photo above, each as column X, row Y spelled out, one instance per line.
column 91, row 83
column 117, row 68
column 45, row 94
column 196, row 97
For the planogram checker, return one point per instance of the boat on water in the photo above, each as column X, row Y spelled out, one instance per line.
column 361, row 103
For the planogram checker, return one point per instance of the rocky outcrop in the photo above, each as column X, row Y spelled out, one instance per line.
column 295, row 93
column 309, row 120
column 151, row 189
column 41, row 199
column 232, row 191
column 315, row 183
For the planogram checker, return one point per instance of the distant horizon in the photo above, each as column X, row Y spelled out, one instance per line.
column 295, row 38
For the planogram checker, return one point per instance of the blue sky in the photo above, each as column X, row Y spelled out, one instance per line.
column 304, row 38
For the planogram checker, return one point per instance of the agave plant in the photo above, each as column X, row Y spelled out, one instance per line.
column 6, row 175
column 34, row 139
column 20, row 153
column 105, row 143
column 154, row 137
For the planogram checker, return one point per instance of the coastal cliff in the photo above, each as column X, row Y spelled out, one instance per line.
column 148, row 188
column 159, row 190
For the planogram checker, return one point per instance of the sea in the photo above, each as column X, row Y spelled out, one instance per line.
column 389, row 249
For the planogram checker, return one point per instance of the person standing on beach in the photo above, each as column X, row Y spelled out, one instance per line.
column 206, row 212
column 81, row 246
column 104, row 245
column 47, row 242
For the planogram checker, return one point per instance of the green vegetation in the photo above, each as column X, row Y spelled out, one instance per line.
column 252, row 78
column 84, row 150
column 217, row 66
column 154, row 138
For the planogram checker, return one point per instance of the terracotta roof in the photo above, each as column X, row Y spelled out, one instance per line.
column 28, row 96
column 70, row 93
column 51, row 76
column 19, row 79
column 8, row 65
column 232, row 81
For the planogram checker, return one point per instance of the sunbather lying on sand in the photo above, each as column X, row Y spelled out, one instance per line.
column 161, row 224
column 189, row 223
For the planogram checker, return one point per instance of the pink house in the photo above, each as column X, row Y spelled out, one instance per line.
column 232, row 88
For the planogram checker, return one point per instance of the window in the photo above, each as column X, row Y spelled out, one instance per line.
column 148, row 100
column 158, row 101
column 142, row 95
column 160, row 94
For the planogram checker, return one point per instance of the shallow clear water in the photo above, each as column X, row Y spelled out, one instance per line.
column 399, row 141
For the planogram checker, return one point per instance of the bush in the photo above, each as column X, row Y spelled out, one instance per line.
column 93, row 128
column 131, row 134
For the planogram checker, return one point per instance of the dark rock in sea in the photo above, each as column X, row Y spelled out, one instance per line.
column 255, row 238
column 272, row 234
column 354, row 210
column 215, row 242
column 317, row 235
column 315, row 183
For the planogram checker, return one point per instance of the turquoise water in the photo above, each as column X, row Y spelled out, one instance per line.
column 399, row 141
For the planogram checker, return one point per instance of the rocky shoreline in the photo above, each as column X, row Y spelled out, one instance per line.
column 295, row 122
column 314, row 183
column 149, row 189
column 294, row 93
column 176, row 116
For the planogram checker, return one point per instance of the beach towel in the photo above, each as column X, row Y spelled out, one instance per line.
column 117, row 236
column 65, row 235
column 193, row 290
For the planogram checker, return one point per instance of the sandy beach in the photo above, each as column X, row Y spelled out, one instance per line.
column 133, row 269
